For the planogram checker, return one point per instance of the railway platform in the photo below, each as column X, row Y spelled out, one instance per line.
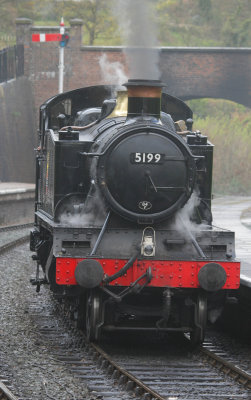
column 232, row 212
column 16, row 203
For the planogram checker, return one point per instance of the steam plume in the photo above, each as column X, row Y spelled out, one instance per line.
column 140, row 37
column 112, row 72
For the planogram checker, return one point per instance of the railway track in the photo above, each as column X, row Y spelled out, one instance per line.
column 153, row 368
column 120, row 369
column 158, row 380
column 14, row 243
column 12, row 236
column 226, row 367
column 15, row 227
column 5, row 393
column 131, row 382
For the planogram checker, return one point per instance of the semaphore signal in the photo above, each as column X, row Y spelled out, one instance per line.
column 63, row 39
column 46, row 37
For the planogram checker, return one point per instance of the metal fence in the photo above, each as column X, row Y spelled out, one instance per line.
column 11, row 62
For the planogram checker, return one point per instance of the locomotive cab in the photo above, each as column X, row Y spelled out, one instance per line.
column 123, row 224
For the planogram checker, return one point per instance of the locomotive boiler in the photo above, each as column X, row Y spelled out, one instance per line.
column 123, row 225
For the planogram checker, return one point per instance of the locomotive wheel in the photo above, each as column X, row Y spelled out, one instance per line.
column 93, row 315
column 200, row 317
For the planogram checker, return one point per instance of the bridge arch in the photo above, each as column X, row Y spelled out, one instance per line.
column 208, row 73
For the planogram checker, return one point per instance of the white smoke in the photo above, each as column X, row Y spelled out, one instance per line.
column 92, row 212
column 183, row 221
column 186, row 227
column 112, row 72
column 135, row 18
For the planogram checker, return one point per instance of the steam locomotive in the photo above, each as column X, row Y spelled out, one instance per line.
column 123, row 225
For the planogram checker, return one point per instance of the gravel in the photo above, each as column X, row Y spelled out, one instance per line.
column 26, row 359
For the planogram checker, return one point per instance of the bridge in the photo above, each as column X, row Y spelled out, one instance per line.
column 189, row 72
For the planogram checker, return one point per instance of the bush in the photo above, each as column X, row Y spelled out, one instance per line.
column 228, row 127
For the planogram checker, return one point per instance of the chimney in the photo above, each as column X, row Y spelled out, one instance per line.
column 144, row 98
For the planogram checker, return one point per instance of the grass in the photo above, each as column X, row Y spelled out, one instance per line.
column 228, row 127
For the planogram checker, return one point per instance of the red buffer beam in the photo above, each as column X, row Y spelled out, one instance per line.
column 182, row 274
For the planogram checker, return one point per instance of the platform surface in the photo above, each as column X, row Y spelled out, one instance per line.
column 16, row 203
column 15, row 187
column 229, row 213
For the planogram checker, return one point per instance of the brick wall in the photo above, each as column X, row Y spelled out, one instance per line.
column 188, row 72
column 208, row 72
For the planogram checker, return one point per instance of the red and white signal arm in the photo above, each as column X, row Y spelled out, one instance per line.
column 46, row 37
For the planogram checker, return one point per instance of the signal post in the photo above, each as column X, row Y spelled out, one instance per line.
column 63, row 39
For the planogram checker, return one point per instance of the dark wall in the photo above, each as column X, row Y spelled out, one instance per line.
column 17, row 131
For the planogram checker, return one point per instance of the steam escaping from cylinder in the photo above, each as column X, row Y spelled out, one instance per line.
column 92, row 212
column 140, row 37
column 184, row 217
column 188, row 229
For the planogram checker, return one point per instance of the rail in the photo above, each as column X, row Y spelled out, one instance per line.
column 226, row 367
column 132, row 382
column 5, row 393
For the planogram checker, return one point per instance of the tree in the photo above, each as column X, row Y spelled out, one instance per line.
column 97, row 17
column 179, row 22
column 8, row 14
column 236, row 35
column 37, row 9
column 205, row 7
column 204, row 22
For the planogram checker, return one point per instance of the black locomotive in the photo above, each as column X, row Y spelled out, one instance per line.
column 123, row 225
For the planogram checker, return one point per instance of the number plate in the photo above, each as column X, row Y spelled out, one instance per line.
column 147, row 158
